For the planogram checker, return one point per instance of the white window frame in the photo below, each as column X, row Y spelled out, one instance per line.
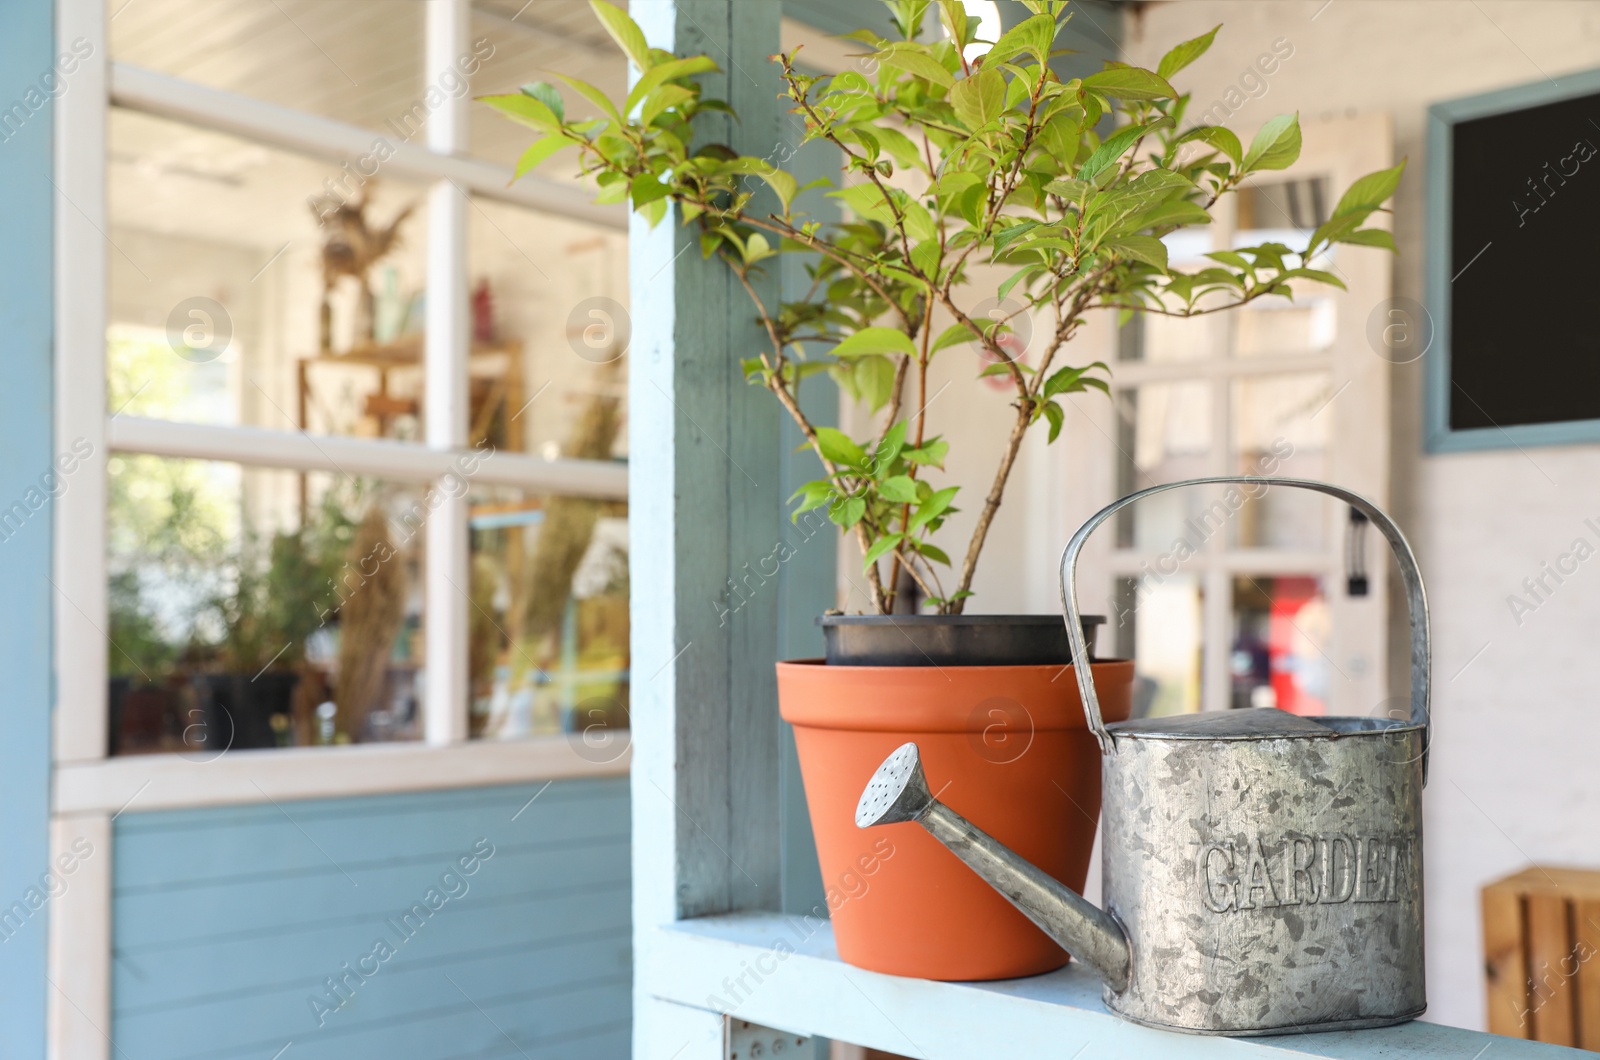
column 91, row 789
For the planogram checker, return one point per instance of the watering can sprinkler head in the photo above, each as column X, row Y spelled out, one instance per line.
column 898, row 791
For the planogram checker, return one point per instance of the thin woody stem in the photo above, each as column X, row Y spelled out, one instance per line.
column 791, row 404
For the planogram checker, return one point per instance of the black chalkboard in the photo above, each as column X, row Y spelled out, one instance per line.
column 1524, row 266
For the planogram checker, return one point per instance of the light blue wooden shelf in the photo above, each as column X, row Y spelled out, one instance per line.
column 810, row 991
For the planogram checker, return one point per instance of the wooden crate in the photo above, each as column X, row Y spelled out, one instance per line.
column 1541, row 945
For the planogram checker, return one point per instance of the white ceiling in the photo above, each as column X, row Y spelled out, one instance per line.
column 361, row 61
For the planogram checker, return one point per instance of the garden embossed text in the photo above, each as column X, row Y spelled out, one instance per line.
column 1326, row 869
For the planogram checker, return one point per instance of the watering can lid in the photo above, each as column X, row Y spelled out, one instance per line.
column 1249, row 723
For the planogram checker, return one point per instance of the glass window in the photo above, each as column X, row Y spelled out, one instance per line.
column 252, row 286
column 1277, row 327
column 551, row 295
column 261, row 608
column 1281, row 633
column 1280, row 427
column 549, row 641
column 1163, row 435
column 352, row 60
column 270, row 289
column 1158, row 624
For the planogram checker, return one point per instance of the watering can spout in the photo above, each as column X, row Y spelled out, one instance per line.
column 898, row 792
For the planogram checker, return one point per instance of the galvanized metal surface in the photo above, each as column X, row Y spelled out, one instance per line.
column 1264, row 870
column 1267, row 885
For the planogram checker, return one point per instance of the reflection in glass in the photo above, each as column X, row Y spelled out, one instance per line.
column 1158, row 621
column 1281, row 631
column 351, row 60
column 258, row 608
column 1277, row 327
column 551, row 295
column 263, row 288
column 1280, row 427
column 1163, row 434
column 549, row 634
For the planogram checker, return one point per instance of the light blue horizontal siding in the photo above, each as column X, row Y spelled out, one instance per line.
column 226, row 922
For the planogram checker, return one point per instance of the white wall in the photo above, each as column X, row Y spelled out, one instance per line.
column 1515, row 777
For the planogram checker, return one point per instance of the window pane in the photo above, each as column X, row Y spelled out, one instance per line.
column 1277, row 327
column 1280, row 427
column 261, row 608
column 550, row 303
column 1158, row 623
column 526, row 42
column 1164, row 434
column 352, row 60
column 1281, row 631
column 1167, row 339
column 549, row 640
column 217, row 286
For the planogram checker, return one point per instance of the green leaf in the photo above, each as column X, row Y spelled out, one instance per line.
column 1276, row 145
column 933, row 552
column 1370, row 237
column 1108, row 152
column 781, row 181
column 848, row 512
column 661, row 73
column 917, row 62
column 1035, row 36
column 815, row 495
column 546, row 93
column 1147, row 249
column 625, row 31
column 1186, row 53
column 837, row 447
column 866, row 202
column 1070, row 380
column 646, row 189
column 932, row 508
column 525, row 109
column 595, row 96
column 1130, row 82
column 1053, row 413
column 1222, row 139
column 757, row 248
column 879, row 547
column 540, row 152
column 894, row 440
column 899, row 145
column 1371, row 191
column 998, row 368
column 979, row 99
column 874, row 378
column 663, row 99
column 931, row 452
column 902, row 489
column 1317, row 275
column 1178, row 212
column 875, row 340
column 954, row 335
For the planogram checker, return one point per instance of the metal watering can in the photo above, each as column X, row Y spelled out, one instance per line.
column 1262, row 871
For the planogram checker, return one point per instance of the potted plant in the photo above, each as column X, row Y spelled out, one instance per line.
column 1067, row 187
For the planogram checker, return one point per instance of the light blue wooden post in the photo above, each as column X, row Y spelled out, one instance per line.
column 26, row 52
column 706, row 518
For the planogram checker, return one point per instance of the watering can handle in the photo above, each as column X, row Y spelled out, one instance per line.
column 1416, row 598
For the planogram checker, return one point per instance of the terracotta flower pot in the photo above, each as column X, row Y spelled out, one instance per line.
column 1011, row 751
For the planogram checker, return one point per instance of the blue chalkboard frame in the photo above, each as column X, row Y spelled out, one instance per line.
column 1442, row 119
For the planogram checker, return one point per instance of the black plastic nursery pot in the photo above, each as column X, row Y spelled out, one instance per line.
column 951, row 640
